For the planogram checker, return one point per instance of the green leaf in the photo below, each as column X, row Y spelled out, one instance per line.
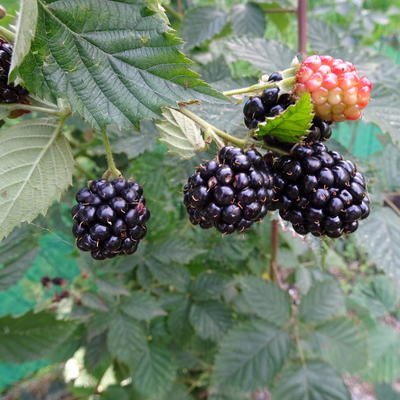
column 172, row 275
column 142, row 306
column 266, row 300
column 323, row 301
column 201, row 24
column 216, row 70
column 25, row 31
column 265, row 55
column 118, row 69
column 380, row 236
column 210, row 319
column 292, row 125
column 342, row 343
column 313, row 380
column 322, row 35
column 248, row 19
column 208, row 286
column 94, row 302
column 36, row 167
column 181, row 135
column 126, row 339
column 378, row 294
column 384, row 105
column 32, row 336
column 250, row 356
column 385, row 391
column 384, row 346
column 178, row 319
column 156, row 371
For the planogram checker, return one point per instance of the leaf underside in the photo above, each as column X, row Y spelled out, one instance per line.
column 115, row 61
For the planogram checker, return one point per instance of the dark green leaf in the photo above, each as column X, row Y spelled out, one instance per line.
column 265, row 55
column 266, row 300
column 378, row 294
column 323, row 301
column 311, row 380
column 216, row 70
column 93, row 301
column 32, row 336
column 322, row 35
column 118, row 70
column 210, row 319
column 126, row 339
column 250, row 356
column 178, row 319
column 208, row 286
column 248, row 19
column 342, row 343
column 96, row 351
column 292, row 125
column 173, row 275
column 380, row 236
column 142, row 306
column 201, row 24
column 155, row 372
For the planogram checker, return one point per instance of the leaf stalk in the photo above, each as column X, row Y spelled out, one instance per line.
column 112, row 168
column 7, row 34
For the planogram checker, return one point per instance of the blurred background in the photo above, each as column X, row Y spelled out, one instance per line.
column 231, row 53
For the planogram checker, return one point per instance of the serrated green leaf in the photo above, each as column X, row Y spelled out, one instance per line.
column 142, row 306
column 342, row 343
column 266, row 300
column 181, row 135
column 98, row 324
column 178, row 319
column 248, row 19
column 380, row 235
column 323, row 301
column 265, row 55
column 306, row 277
column 322, row 35
column 201, row 24
column 216, row 70
column 32, row 336
column 250, row 356
column 155, row 372
column 384, row 346
column 210, row 319
column 378, row 294
column 94, row 302
column 173, row 275
column 96, row 351
column 36, row 167
column 207, row 286
column 25, row 31
column 313, row 380
column 292, row 125
column 126, row 339
column 118, row 69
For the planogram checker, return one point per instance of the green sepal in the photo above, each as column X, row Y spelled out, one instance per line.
column 292, row 125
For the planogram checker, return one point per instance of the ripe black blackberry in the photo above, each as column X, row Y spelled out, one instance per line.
column 319, row 192
column 9, row 93
column 110, row 218
column 229, row 193
column 269, row 104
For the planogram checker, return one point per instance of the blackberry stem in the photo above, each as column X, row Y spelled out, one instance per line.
column 210, row 128
column 44, row 110
column 112, row 168
column 7, row 34
column 258, row 87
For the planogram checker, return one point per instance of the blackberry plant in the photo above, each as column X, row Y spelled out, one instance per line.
column 285, row 288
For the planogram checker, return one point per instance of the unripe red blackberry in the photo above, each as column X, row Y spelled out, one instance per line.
column 319, row 192
column 229, row 193
column 9, row 93
column 110, row 218
column 336, row 89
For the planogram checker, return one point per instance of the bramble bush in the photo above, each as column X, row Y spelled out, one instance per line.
column 101, row 102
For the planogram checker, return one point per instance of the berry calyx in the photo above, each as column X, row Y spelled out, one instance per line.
column 337, row 90
column 110, row 218
column 230, row 193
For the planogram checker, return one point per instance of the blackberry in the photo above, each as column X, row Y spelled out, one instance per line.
column 110, row 218
column 318, row 191
column 270, row 104
column 9, row 93
column 229, row 193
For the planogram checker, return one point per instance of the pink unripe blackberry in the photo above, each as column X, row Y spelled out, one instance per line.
column 337, row 90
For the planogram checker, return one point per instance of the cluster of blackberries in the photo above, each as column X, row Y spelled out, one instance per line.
column 110, row 218
column 57, row 281
column 270, row 104
column 9, row 93
column 319, row 192
column 229, row 193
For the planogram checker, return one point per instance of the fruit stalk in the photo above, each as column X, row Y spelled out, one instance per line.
column 112, row 168
column 44, row 110
column 7, row 34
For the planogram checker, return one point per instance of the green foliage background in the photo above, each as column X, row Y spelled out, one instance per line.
column 192, row 313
